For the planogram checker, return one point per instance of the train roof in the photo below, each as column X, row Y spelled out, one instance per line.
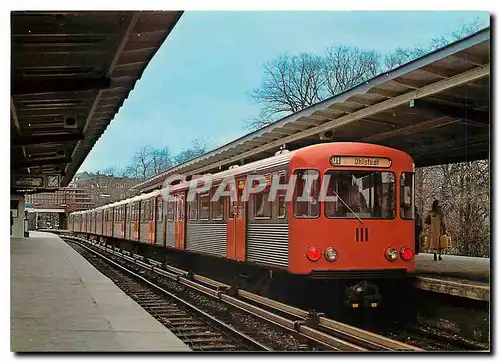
column 272, row 163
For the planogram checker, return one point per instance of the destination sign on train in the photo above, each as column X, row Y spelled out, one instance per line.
column 354, row 161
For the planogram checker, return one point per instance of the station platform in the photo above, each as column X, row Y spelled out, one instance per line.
column 455, row 275
column 61, row 303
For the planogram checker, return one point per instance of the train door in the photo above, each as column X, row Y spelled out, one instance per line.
column 152, row 220
column 236, row 224
column 160, row 222
column 179, row 223
column 136, row 221
column 128, row 223
column 106, row 220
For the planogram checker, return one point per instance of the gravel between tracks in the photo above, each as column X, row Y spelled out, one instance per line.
column 266, row 333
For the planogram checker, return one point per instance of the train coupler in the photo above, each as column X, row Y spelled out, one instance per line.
column 363, row 295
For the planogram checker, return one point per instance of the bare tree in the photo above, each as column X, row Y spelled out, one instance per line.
column 291, row 83
column 463, row 190
column 110, row 171
column 161, row 160
column 345, row 67
column 142, row 162
column 198, row 148
column 404, row 55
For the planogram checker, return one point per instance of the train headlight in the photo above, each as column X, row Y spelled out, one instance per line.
column 331, row 254
column 313, row 253
column 391, row 254
column 406, row 254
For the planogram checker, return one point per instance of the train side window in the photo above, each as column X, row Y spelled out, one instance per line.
column 176, row 212
column 170, row 210
column 280, row 198
column 262, row 207
column 281, row 206
column 193, row 208
column 305, row 195
column 159, row 209
column 231, row 208
column 177, row 208
column 218, row 208
column 204, row 207
column 407, row 195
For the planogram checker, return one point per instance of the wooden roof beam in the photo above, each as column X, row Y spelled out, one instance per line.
column 41, row 162
column 25, row 86
column 440, row 110
column 44, row 139
column 414, row 128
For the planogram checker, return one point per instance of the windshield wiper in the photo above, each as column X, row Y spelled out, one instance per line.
column 348, row 207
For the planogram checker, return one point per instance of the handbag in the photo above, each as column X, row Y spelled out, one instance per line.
column 445, row 241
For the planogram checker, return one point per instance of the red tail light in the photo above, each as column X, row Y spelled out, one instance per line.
column 406, row 254
column 313, row 253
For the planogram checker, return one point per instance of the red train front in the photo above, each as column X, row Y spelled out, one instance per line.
column 364, row 226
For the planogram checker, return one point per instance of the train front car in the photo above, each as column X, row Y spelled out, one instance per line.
column 356, row 224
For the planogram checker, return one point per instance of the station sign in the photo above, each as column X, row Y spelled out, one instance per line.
column 33, row 181
column 360, row 161
column 28, row 181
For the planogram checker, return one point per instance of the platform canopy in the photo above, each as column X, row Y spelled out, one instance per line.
column 70, row 74
column 436, row 108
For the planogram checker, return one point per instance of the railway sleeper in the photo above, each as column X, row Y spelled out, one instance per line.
column 182, row 324
column 208, row 340
column 178, row 319
column 197, row 334
column 210, row 347
column 188, row 328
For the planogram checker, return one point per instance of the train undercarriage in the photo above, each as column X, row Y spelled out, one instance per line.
column 334, row 293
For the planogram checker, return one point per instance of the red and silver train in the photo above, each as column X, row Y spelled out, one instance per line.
column 366, row 230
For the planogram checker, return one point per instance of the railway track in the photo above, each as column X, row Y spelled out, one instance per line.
column 200, row 331
column 307, row 330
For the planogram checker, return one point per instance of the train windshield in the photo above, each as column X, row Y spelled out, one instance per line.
column 360, row 194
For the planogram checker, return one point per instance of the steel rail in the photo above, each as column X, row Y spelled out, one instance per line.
column 173, row 296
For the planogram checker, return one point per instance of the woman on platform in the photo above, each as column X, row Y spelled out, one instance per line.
column 437, row 227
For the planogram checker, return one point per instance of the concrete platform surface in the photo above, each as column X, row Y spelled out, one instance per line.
column 61, row 303
column 458, row 267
